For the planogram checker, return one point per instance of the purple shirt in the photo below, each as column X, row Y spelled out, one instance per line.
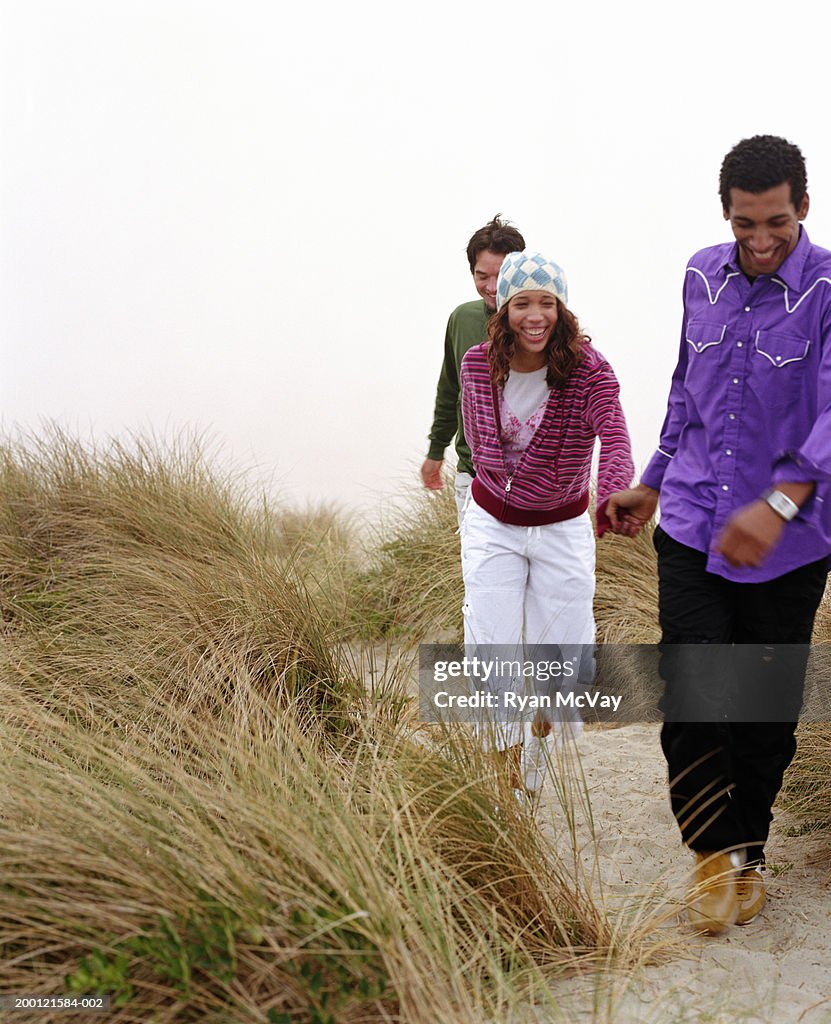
column 749, row 405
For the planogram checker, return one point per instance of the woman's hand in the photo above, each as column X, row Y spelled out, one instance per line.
column 630, row 510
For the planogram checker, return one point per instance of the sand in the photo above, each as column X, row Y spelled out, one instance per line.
column 776, row 970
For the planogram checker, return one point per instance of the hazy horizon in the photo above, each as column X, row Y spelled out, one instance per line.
column 251, row 224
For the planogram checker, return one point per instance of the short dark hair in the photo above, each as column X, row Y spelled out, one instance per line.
column 760, row 163
column 497, row 236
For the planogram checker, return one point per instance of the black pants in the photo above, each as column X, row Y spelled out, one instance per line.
column 724, row 775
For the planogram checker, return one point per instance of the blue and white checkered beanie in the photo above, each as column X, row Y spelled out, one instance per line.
column 529, row 272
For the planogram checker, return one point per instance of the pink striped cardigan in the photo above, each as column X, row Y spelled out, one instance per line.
column 551, row 482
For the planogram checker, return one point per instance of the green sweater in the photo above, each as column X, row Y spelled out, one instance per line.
column 467, row 326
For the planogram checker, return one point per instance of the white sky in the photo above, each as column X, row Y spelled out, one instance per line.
column 249, row 218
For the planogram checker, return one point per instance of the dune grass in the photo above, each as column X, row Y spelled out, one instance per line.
column 203, row 811
column 807, row 788
column 129, row 569
column 272, row 876
column 411, row 586
column 206, row 813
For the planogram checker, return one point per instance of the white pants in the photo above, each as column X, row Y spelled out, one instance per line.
column 526, row 586
column 462, row 489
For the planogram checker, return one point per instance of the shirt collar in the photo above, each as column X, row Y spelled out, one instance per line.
column 790, row 273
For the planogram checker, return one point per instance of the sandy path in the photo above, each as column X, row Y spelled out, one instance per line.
column 776, row 970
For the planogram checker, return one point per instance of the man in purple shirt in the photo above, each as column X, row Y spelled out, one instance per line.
column 744, row 473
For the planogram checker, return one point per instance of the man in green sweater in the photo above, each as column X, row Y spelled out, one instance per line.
column 467, row 326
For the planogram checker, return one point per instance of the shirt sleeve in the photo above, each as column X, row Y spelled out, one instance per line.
column 676, row 416
column 811, row 462
column 604, row 414
column 445, row 414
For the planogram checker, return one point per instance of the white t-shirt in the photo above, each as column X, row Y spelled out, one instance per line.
column 522, row 403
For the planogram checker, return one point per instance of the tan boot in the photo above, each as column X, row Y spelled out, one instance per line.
column 712, row 901
column 751, row 894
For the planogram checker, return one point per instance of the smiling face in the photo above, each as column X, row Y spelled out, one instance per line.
column 485, row 272
column 766, row 227
column 532, row 316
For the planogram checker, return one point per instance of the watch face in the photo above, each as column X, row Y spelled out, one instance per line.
column 782, row 505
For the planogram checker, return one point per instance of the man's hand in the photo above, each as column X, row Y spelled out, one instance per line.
column 431, row 474
column 629, row 510
column 750, row 534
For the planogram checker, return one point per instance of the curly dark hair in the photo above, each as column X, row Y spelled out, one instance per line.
column 763, row 162
column 496, row 236
column 565, row 349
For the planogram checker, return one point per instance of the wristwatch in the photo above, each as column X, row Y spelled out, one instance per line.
column 781, row 504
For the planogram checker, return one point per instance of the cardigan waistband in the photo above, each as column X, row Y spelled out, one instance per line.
column 505, row 513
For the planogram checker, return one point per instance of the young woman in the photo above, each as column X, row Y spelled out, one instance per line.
column 535, row 396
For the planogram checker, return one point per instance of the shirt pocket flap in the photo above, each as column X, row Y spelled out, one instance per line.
column 781, row 349
column 701, row 334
